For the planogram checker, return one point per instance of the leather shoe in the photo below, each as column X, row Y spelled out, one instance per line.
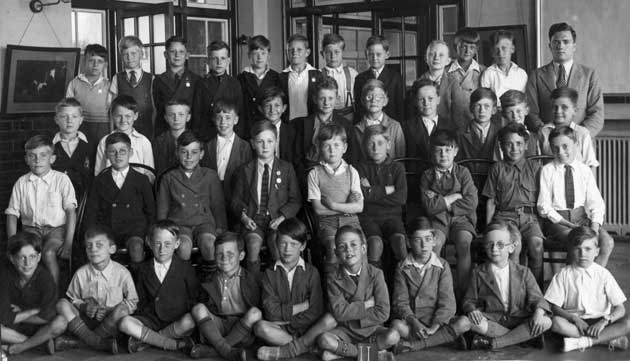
column 134, row 345
column 461, row 343
column 63, row 343
column 480, row 342
column 203, row 351
column 238, row 354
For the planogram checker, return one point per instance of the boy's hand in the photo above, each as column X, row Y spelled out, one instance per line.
column 476, row 317
column 91, row 308
column 354, row 197
column 365, row 182
column 595, row 329
column 65, row 250
column 581, row 325
column 369, row 303
column 100, row 313
column 595, row 227
column 390, row 189
column 536, row 324
column 566, row 223
column 248, row 223
column 451, row 198
column 431, row 330
column 276, row 222
column 15, row 308
column 417, row 328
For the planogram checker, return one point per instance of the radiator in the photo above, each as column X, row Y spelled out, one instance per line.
column 613, row 179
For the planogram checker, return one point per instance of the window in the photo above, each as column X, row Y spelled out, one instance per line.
column 447, row 24
column 151, row 29
column 201, row 32
column 88, row 27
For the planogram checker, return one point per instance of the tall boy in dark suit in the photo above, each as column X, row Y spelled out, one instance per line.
column 273, row 104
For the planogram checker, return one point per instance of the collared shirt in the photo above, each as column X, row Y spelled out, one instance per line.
column 249, row 69
column 278, row 125
column 377, row 72
column 119, row 176
column 224, row 149
column 113, row 89
column 500, row 82
column 290, row 272
column 93, row 97
column 69, row 145
column 584, row 143
column 410, row 261
column 259, row 172
column 314, row 191
column 512, row 185
column 354, row 276
column 298, row 91
column 161, row 269
column 344, row 98
column 587, row 292
column 440, row 172
column 108, row 287
column 42, row 201
column 474, row 66
column 38, row 292
column 430, row 123
column 552, row 197
column 481, row 130
column 142, row 153
column 369, row 121
column 567, row 69
column 317, row 124
column 232, row 302
column 502, row 276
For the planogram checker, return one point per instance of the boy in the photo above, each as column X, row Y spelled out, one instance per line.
column 134, row 82
column 167, row 289
column 266, row 193
column 227, row 318
column 292, row 299
column 359, row 301
column 177, row 115
column 298, row 80
column 217, row 84
column 374, row 99
column 333, row 46
column 90, row 89
column 91, row 312
column 512, row 191
column 30, row 294
column 503, row 306
column 503, row 74
column 569, row 196
column 255, row 79
column 124, row 113
column 449, row 198
column 384, row 185
column 564, row 103
column 438, row 58
column 192, row 197
column 334, row 190
column 587, row 302
column 73, row 153
column 45, row 201
column 273, row 105
column 177, row 82
column 377, row 53
column 514, row 109
column 122, row 199
column 463, row 77
column 423, row 299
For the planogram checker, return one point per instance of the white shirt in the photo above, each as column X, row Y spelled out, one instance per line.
column 552, row 198
column 142, row 152
column 584, row 143
column 224, row 149
column 377, row 72
column 500, row 82
column 277, row 125
column 259, row 171
column 369, row 121
column 290, row 273
column 587, row 292
column 482, row 128
column 120, row 176
column 69, row 145
column 410, row 261
column 161, row 269
column 249, row 69
column 567, row 69
column 298, row 91
column 474, row 66
column 344, row 98
column 430, row 123
column 502, row 276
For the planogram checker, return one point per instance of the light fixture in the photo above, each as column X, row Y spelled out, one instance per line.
column 37, row 6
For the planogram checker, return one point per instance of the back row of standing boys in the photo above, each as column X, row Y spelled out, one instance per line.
column 309, row 151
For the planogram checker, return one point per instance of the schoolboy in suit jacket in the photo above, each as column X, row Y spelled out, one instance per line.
column 273, row 105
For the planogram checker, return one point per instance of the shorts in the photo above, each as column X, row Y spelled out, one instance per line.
column 152, row 322
column 47, row 233
column 226, row 323
column 262, row 230
column 526, row 223
column 559, row 233
column 347, row 335
column 382, row 227
column 26, row 329
column 193, row 233
column 328, row 225
column 91, row 323
column 457, row 224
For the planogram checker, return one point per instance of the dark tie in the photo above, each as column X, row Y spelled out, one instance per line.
column 132, row 78
column 264, row 191
column 177, row 79
column 569, row 188
column 355, row 278
column 561, row 82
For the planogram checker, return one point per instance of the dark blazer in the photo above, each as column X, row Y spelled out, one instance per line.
column 347, row 298
column 284, row 193
column 78, row 167
column 165, row 89
column 241, row 153
column 590, row 105
column 214, row 88
column 170, row 300
column 164, row 152
column 470, row 146
column 250, row 290
column 314, row 76
column 483, row 293
column 304, row 132
column 127, row 211
column 287, row 142
column 417, row 136
column 252, row 95
column 395, row 92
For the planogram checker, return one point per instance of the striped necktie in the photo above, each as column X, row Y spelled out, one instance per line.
column 569, row 187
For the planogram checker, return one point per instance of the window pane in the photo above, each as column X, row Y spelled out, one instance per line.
column 359, row 16
column 145, row 62
column 298, row 3
column 216, row 31
column 299, row 26
column 197, row 65
column 449, row 18
column 196, row 31
column 211, row 4
column 394, row 41
column 410, row 44
column 160, row 61
column 143, row 29
column 89, row 28
column 128, row 26
column 410, row 72
column 159, row 29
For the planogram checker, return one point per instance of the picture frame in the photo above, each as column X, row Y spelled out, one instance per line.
column 35, row 78
column 521, row 54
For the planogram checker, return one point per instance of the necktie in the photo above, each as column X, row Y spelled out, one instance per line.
column 561, row 82
column 132, row 78
column 264, row 191
column 375, row 74
column 177, row 79
column 569, row 188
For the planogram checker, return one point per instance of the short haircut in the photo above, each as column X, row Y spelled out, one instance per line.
column 421, row 83
column 513, row 128
column 512, row 97
column 261, row 126
column 125, row 101
column 187, row 138
column 482, row 93
column 349, row 228
column 497, row 226
column 325, row 83
column 271, row 93
column 467, row 35
column 258, row 42
column 443, row 138
column 117, row 137
column 373, row 130
column 294, row 229
column 329, row 131
column 332, row 38
column 565, row 92
column 435, row 43
column 129, row 41
column 22, row 239
column 580, row 234
column 502, row 34
column 420, row 224
column 95, row 49
column 174, row 39
column 99, row 230
column 68, row 103
column 37, row 141
column 371, row 85
column 164, row 225
column 177, row 101
column 298, row 37
column 558, row 27
column 225, row 106
column 377, row 39
column 227, row 237
column 560, row 131
column 218, row 45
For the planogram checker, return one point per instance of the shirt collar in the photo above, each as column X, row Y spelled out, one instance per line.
column 377, row 72
column 138, row 72
column 342, row 167
column 47, row 178
column 353, row 274
column 519, row 164
column 449, row 170
column 57, row 138
column 261, row 164
column 122, row 172
column 573, row 164
column 379, row 120
column 84, row 78
column 229, row 139
column 300, row 263
column 495, row 269
column 166, row 264
column 513, row 68
column 236, row 274
column 106, row 272
column 410, row 261
column 338, row 70
column 567, row 67
column 289, row 69
column 249, row 69
column 455, row 66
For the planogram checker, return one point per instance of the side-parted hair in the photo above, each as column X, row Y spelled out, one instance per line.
column 565, row 92
column 68, row 103
column 164, row 225
column 99, row 230
column 348, row 228
column 177, row 101
column 420, row 224
column 227, row 237
column 502, row 34
column 117, row 137
column 218, row 45
column 22, row 239
column 327, row 83
column 37, row 141
column 512, row 97
column 580, row 234
column 373, row 130
column 482, row 93
column 188, row 137
column 174, row 39
column 271, row 93
column 558, row 27
column 513, row 128
column 95, row 49
column 443, row 138
column 294, row 229
column 129, row 41
column 332, row 38
column 298, row 37
column 329, row 131
column 225, row 106
column 421, row 83
column 371, row 85
column 258, row 42
column 261, row 126
column 377, row 39
column 513, row 232
column 560, row 131
column 467, row 35
column 125, row 101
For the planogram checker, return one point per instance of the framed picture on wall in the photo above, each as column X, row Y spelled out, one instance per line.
column 35, row 78
column 521, row 53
